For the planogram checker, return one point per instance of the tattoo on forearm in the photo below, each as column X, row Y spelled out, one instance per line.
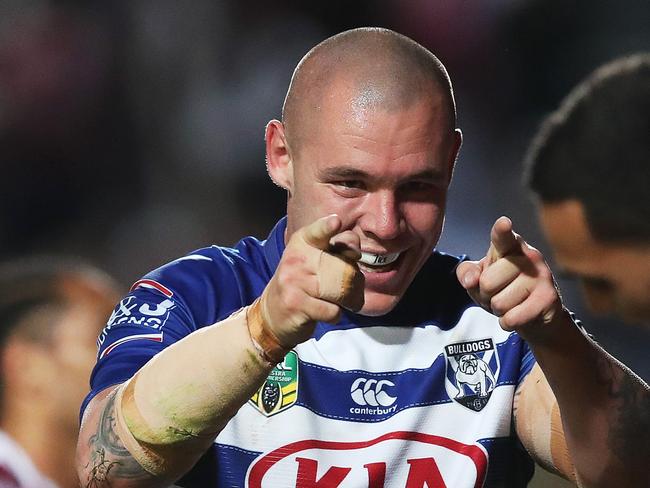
column 109, row 459
column 630, row 429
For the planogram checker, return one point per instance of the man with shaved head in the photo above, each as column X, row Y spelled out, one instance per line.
column 343, row 350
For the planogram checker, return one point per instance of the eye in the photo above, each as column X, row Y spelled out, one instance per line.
column 418, row 190
column 354, row 184
column 598, row 284
column 418, row 186
column 349, row 188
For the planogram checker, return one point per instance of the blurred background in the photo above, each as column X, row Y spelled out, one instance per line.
column 131, row 132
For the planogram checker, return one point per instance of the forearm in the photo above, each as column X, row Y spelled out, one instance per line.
column 605, row 408
column 169, row 413
column 102, row 459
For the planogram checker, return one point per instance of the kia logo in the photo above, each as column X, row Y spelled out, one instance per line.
column 371, row 392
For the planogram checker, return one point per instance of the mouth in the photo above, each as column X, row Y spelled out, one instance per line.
column 378, row 262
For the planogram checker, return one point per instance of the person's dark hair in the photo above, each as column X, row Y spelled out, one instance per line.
column 595, row 148
column 32, row 284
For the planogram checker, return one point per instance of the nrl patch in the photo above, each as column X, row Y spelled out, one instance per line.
column 280, row 390
column 472, row 370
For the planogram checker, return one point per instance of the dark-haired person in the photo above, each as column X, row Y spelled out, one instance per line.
column 343, row 351
column 590, row 167
column 51, row 310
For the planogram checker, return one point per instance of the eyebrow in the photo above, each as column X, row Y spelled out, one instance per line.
column 346, row 172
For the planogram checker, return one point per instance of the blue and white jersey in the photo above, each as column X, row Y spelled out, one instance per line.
column 420, row 397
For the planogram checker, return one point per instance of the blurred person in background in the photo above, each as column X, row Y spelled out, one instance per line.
column 226, row 366
column 51, row 310
column 589, row 167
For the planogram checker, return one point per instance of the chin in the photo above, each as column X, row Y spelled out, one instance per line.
column 377, row 304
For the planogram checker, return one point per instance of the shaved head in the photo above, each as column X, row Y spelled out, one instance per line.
column 376, row 68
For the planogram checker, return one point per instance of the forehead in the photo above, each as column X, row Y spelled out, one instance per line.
column 349, row 129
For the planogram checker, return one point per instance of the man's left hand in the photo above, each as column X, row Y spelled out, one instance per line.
column 513, row 282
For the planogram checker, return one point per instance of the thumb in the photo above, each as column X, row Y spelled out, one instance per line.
column 319, row 233
column 503, row 240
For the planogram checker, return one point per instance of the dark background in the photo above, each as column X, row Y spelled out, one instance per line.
column 131, row 132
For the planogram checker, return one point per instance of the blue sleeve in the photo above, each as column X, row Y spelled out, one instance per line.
column 527, row 361
column 160, row 309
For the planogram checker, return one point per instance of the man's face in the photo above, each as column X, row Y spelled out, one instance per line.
column 385, row 173
column 614, row 277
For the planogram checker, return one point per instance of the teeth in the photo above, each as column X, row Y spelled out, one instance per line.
column 378, row 259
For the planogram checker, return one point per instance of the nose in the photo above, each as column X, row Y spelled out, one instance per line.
column 382, row 218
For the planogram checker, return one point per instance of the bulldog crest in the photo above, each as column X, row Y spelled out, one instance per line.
column 472, row 372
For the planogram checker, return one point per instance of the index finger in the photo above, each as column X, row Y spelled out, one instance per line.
column 319, row 233
column 503, row 240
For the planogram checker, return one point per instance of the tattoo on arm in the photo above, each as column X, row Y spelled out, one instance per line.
column 630, row 429
column 109, row 459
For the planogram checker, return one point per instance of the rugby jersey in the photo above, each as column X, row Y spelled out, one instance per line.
column 421, row 396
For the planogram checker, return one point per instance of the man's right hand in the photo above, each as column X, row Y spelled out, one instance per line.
column 317, row 275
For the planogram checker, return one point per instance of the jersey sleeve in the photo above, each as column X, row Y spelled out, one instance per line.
column 159, row 310
column 527, row 362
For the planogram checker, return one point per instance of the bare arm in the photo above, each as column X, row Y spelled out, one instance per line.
column 102, row 459
column 151, row 430
column 604, row 407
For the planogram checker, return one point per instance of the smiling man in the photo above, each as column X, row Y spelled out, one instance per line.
column 343, row 351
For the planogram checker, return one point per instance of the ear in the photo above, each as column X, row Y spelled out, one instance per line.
column 453, row 155
column 278, row 156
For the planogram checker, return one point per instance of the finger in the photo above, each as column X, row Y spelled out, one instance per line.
column 502, row 273
column 512, row 295
column 346, row 245
column 319, row 233
column 541, row 306
column 468, row 274
column 503, row 240
column 340, row 282
column 322, row 311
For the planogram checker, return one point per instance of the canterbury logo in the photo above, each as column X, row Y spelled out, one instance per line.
column 371, row 392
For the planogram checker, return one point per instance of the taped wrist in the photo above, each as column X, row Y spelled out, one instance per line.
column 539, row 425
column 171, row 411
column 263, row 338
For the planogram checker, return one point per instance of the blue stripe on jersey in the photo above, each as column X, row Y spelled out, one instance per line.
column 410, row 388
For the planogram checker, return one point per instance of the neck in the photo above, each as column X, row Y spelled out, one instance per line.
column 48, row 443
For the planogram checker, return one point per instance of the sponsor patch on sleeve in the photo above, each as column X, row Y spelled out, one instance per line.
column 141, row 319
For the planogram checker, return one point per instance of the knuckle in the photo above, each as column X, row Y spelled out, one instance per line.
column 285, row 279
column 486, row 285
column 331, row 313
column 535, row 255
column 497, row 306
column 549, row 295
column 292, row 299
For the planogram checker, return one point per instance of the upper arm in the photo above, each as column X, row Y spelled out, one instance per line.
column 102, row 460
column 539, row 425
